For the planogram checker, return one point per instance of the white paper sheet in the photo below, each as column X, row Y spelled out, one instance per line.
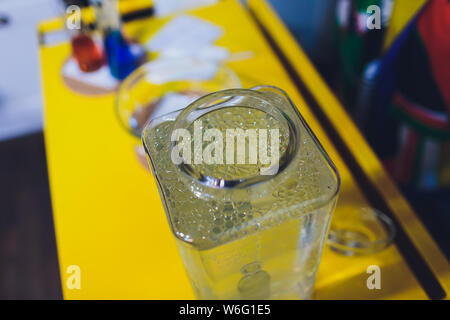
column 162, row 70
column 185, row 33
column 210, row 52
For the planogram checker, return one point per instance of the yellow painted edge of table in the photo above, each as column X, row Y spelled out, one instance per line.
column 355, row 141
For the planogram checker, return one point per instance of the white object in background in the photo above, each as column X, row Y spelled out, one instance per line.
column 166, row 7
column 161, row 71
column 100, row 78
column 20, row 90
column 212, row 53
column 185, row 33
column 172, row 102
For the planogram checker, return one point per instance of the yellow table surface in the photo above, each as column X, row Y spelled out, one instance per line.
column 108, row 216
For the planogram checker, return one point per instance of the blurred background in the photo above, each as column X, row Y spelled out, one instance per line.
column 393, row 81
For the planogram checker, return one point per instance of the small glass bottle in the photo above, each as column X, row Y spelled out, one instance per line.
column 122, row 55
column 86, row 51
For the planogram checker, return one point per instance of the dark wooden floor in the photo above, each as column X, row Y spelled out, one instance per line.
column 28, row 258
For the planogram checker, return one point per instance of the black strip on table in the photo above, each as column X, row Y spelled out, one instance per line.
column 418, row 265
column 138, row 14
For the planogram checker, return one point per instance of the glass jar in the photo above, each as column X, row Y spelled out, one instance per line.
column 248, row 192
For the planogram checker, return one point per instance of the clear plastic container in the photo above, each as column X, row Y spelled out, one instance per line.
column 245, row 228
column 139, row 98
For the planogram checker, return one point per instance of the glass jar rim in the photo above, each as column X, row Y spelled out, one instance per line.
column 224, row 99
